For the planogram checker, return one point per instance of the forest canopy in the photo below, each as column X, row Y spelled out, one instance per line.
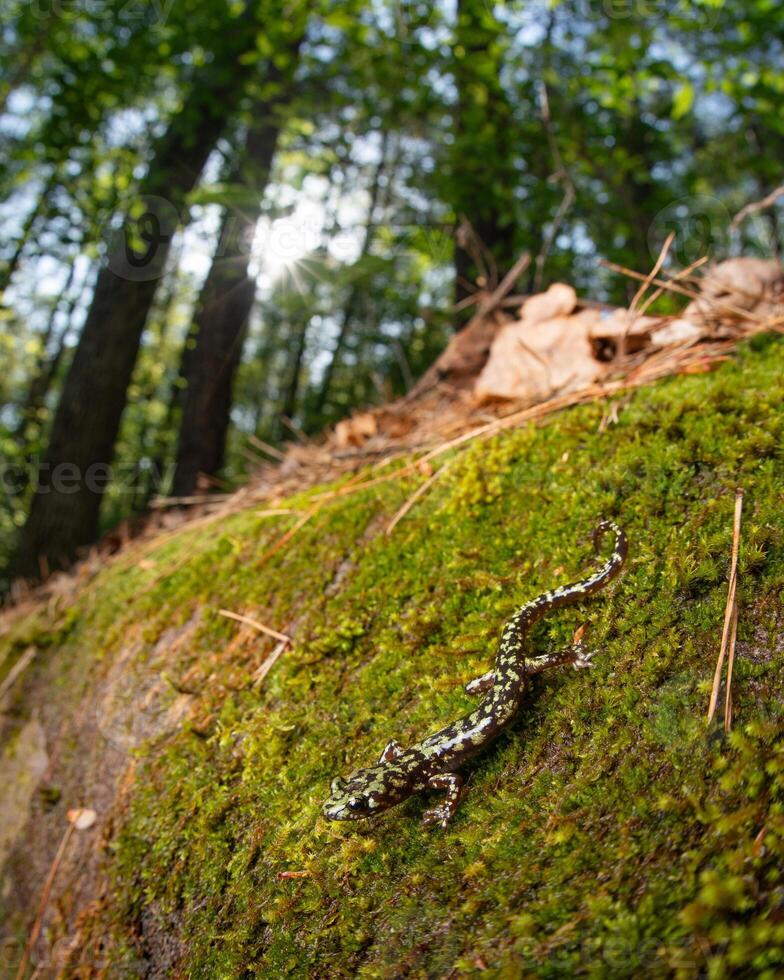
column 226, row 220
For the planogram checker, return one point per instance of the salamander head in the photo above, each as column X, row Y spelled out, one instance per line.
column 365, row 793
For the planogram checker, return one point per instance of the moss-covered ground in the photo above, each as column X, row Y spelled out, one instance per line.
column 607, row 833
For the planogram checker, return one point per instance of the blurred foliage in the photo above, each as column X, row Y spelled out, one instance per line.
column 406, row 116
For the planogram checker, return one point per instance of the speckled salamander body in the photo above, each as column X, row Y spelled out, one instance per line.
column 434, row 762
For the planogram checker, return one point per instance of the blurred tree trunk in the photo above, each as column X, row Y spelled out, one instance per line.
column 225, row 304
column 47, row 363
column 75, row 472
column 295, row 378
column 481, row 169
column 354, row 300
column 40, row 208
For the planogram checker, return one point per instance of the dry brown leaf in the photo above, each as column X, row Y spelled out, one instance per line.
column 532, row 361
column 558, row 301
column 356, row 430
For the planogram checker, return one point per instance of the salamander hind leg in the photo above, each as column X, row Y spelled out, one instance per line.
column 582, row 657
column 481, row 684
column 575, row 655
column 455, row 790
column 391, row 751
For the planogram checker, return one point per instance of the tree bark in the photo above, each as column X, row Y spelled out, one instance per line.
column 223, row 311
column 76, row 468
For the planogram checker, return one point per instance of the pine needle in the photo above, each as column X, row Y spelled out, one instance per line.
column 730, row 665
column 730, row 614
column 415, row 496
column 269, row 663
column 284, row 540
column 248, row 621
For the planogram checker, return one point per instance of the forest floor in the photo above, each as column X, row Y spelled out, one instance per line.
column 610, row 832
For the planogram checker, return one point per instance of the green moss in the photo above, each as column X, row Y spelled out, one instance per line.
column 606, row 834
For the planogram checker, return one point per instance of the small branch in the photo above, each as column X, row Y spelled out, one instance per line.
column 689, row 293
column 730, row 612
column 646, row 283
column 293, row 427
column 265, row 447
column 632, row 314
column 208, row 498
column 488, row 305
column 255, row 624
column 755, row 207
column 683, row 276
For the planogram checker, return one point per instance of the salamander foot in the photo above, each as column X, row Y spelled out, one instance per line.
column 455, row 790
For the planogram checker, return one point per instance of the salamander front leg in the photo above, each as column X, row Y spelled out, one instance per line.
column 455, row 790
column 391, row 751
column 481, row 684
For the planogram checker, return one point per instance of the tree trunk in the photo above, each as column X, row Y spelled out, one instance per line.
column 76, row 468
column 353, row 302
column 46, row 364
column 482, row 167
column 222, row 313
column 41, row 205
column 292, row 392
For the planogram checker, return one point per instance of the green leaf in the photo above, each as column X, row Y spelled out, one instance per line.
column 683, row 100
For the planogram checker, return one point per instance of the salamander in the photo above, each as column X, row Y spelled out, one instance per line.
column 434, row 763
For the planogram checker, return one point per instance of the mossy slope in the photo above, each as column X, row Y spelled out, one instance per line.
column 607, row 834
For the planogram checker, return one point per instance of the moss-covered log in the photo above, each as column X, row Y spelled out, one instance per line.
column 608, row 833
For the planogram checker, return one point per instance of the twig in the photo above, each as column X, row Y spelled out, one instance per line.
column 755, row 206
column 255, row 624
column 293, row 427
column 489, row 304
column 646, row 283
column 35, row 932
column 632, row 315
column 482, row 257
column 682, row 291
column 208, row 498
column 77, row 820
column 265, row 447
column 730, row 610
column 683, row 276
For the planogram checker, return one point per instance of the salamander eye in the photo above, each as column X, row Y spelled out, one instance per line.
column 355, row 805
